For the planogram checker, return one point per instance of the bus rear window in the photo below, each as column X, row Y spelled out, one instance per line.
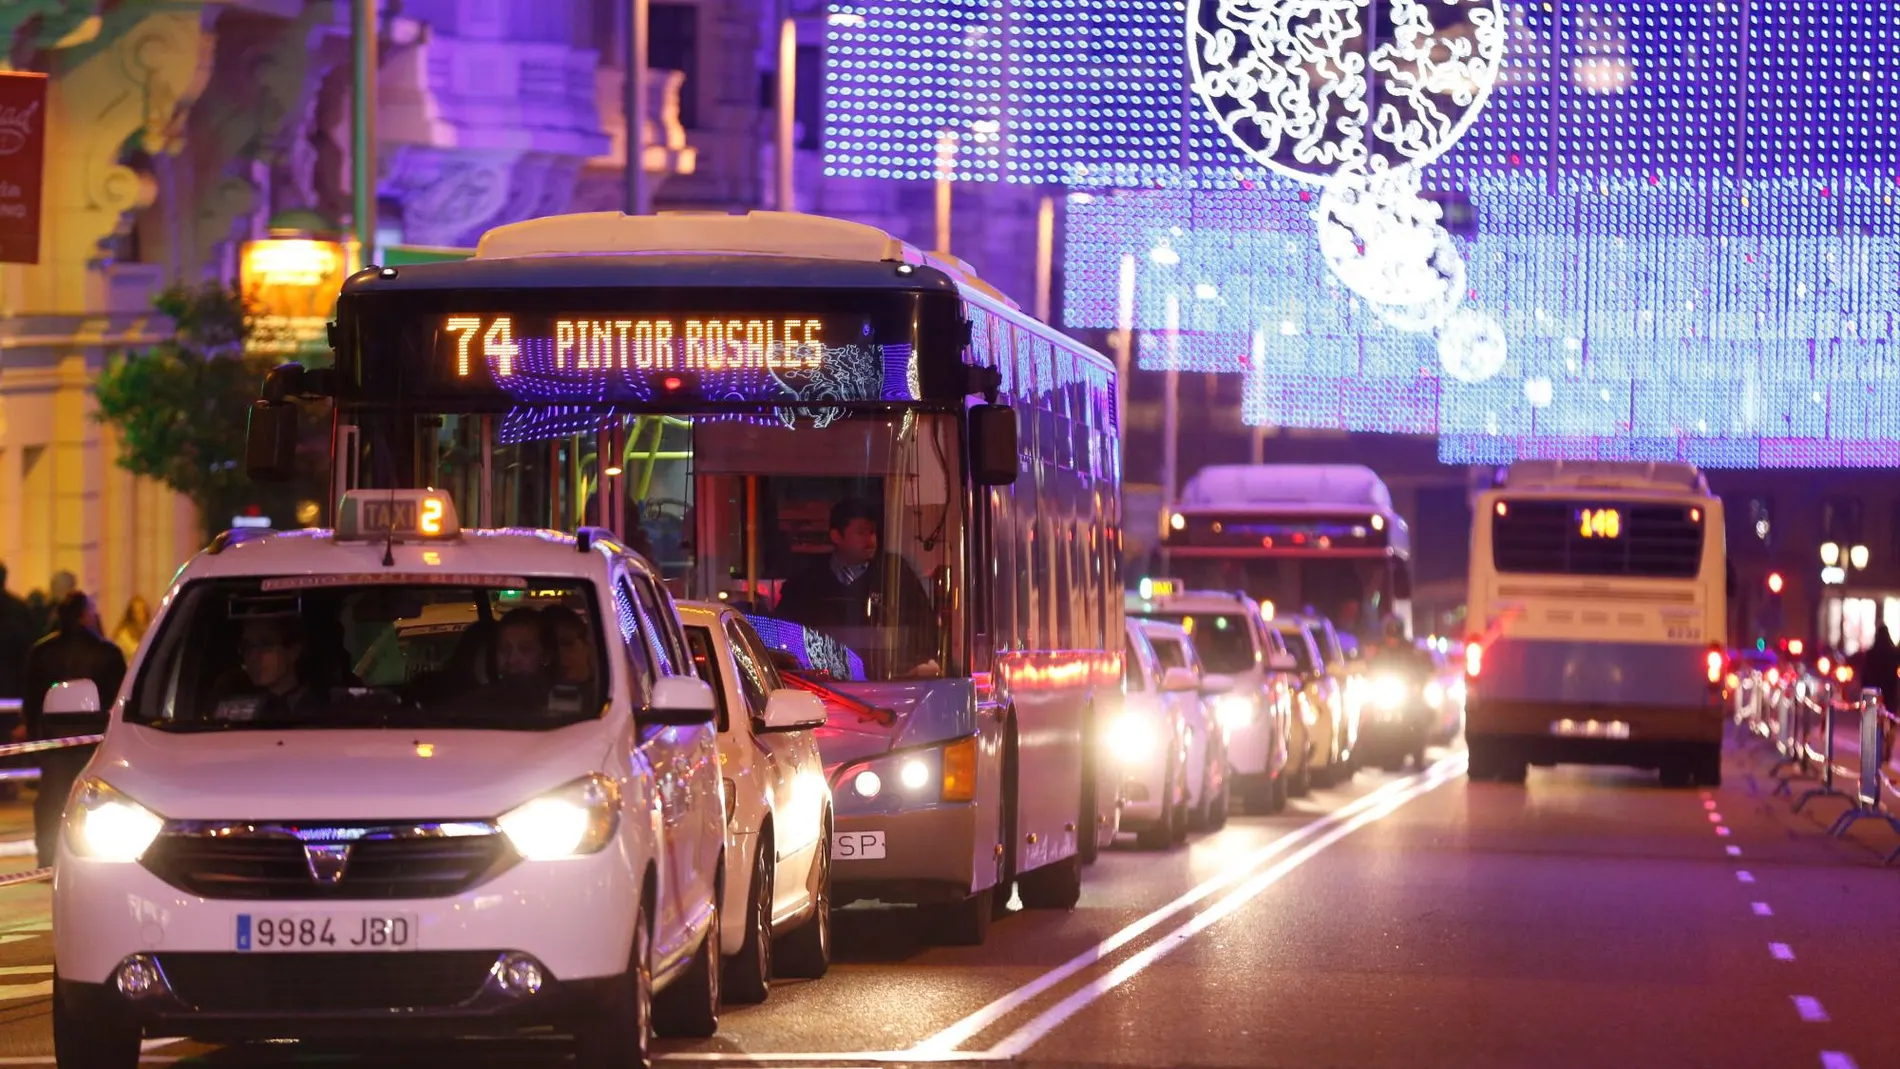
column 1597, row 538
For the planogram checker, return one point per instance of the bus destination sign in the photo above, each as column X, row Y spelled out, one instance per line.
column 502, row 347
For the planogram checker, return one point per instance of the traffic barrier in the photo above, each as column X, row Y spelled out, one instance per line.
column 1791, row 739
column 1828, row 706
column 1871, row 787
column 22, row 749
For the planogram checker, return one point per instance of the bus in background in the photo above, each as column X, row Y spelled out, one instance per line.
column 910, row 487
column 1323, row 536
column 1599, row 602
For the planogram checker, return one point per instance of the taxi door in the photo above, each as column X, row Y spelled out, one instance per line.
column 797, row 802
column 683, row 760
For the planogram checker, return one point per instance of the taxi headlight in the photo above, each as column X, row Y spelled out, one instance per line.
column 578, row 819
column 1388, row 692
column 1234, row 711
column 1131, row 738
column 103, row 824
column 1435, row 694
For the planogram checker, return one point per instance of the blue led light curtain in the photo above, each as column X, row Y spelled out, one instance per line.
column 1685, row 225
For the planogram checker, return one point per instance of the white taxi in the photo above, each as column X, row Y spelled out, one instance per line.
column 1164, row 740
column 294, row 829
column 778, row 807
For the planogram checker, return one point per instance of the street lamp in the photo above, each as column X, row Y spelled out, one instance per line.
column 1858, row 558
column 1830, row 554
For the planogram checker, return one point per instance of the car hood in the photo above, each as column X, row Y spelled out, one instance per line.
column 345, row 775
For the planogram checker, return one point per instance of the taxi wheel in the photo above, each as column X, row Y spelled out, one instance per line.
column 1159, row 834
column 806, row 951
column 1056, row 886
column 959, row 924
column 1217, row 806
column 749, row 972
column 620, row 1037
column 689, row 1009
column 81, row 1044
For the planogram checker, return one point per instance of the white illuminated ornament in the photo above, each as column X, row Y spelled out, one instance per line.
column 1312, row 87
column 1471, row 346
column 1383, row 241
column 1539, row 392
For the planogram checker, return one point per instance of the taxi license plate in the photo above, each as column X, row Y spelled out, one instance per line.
column 857, row 845
column 265, row 933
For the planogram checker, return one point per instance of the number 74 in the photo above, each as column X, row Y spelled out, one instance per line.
column 499, row 347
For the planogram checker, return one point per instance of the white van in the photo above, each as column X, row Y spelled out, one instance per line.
column 294, row 829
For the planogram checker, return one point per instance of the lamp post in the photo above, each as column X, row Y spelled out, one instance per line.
column 636, row 106
column 363, row 128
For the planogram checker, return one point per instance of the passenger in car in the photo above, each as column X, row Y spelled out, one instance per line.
column 271, row 648
column 573, row 648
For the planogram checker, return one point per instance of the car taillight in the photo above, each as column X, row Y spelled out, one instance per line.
column 1474, row 658
column 1716, row 662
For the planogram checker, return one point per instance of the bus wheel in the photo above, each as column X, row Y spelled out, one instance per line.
column 1055, row 886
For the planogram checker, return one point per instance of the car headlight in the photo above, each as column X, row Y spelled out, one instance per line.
column 106, row 825
column 577, row 819
column 1388, row 692
column 1234, row 711
column 1435, row 694
column 1131, row 738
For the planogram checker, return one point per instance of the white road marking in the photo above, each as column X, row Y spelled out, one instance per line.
column 19, row 848
column 1720, row 830
column 1735, row 851
column 1781, row 951
column 1762, row 910
column 25, row 970
column 1715, row 818
column 1745, row 876
column 1710, row 806
column 1019, row 1041
column 1810, row 1009
column 16, row 992
column 1834, row 1059
column 964, row 1030
column 855, row 1057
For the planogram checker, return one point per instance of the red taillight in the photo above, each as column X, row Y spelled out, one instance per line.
column 1474, row 658
column 1716, row 663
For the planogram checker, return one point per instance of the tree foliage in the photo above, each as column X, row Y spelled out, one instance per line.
column 180, row 409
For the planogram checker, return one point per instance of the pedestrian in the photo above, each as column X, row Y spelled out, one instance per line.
column 131, row 629
column 64, row 583
column 75, row 650
column 17, row 633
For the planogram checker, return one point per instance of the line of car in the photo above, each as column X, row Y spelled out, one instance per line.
column 226, row 875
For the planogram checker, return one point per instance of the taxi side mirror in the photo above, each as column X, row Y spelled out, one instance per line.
column 993, row 450
column 679, row 701
column 788, row 709
column 270, row 442
column 76, row 697
column 1175, row 680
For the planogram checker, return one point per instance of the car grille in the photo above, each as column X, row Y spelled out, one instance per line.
column 326, row 983
column 273, row 866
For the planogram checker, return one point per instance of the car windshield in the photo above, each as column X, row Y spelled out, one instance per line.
column 1169, row 653
column 310, row 652
column 1222, row 638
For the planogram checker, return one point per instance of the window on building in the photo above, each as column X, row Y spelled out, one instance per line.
column 1841, row 520
column 673, row 44
column 809, row 108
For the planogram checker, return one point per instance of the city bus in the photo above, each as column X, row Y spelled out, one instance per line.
column 1318, row 536
column 1599, row 603
column 910, row 487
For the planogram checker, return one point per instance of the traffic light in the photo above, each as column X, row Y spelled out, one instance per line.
column 1775, row 583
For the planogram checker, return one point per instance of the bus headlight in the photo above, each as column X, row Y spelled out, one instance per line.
column 1234, row 711
column 1131, row 738
column 106, row 825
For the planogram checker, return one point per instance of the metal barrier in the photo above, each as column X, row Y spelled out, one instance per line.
column 1828, row 707
column 1871, row 787
column 1791, row 738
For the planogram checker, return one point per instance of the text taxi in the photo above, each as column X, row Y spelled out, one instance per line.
column 312, row 818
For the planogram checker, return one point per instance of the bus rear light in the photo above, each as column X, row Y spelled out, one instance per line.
column 1474, row 658
column 1717, row 663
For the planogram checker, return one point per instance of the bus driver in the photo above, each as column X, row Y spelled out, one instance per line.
column 849, row 595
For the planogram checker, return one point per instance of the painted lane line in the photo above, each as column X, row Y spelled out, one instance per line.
column 1810, row 1009
column 16, row 992
column 1834, row 1059
column 25, row 970
column 1715, row 818
column 1719, row 830
column 1710, row 806
column 1019, row 1041
column 807, row 1057
column 1735, row 851
column 1781, row 951
column 1745, row 876
column 1762, row 910
column 962, row 1031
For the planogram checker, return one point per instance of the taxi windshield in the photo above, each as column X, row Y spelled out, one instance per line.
column 306, row 652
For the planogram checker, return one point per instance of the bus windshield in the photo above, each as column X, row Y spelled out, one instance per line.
column 837, row 532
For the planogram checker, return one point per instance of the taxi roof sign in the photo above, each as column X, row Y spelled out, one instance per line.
column 1160, row 588
column 397, row 515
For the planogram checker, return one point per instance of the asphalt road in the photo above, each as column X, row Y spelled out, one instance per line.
column 1588, row 918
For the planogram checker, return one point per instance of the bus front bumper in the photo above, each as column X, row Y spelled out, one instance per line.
column 920, row 855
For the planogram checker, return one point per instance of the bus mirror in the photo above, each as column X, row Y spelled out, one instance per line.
column 993, row 459
column 270, row 442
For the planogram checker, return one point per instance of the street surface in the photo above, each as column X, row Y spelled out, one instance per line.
column 1589, row 918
